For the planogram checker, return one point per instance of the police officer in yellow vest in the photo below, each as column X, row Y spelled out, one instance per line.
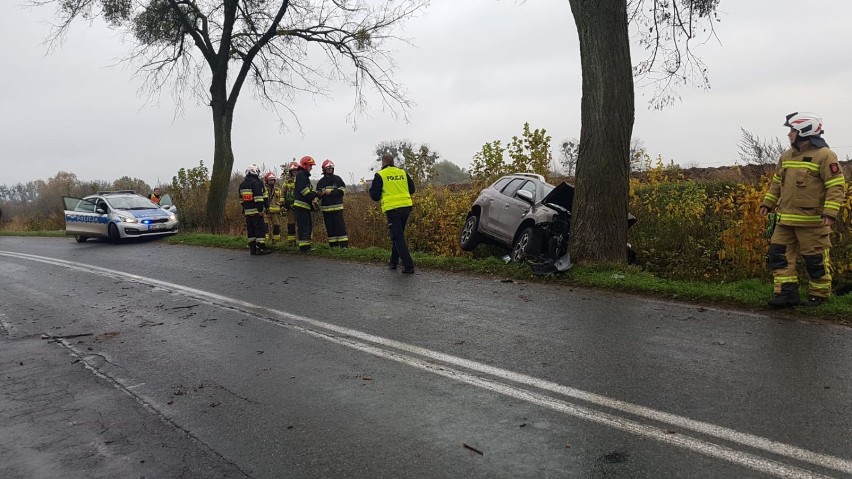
column 807, row 189
column 393, row 187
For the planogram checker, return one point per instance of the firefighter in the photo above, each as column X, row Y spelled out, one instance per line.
column 393, row 187
column 807, row 191
column 289, row 185
column 303, row 203
column 253, row 202
column 330, row 190
column 275, row 200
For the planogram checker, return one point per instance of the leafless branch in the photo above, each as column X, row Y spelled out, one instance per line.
column 669, row 30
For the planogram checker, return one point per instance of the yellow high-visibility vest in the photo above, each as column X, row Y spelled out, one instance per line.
column 394, row 188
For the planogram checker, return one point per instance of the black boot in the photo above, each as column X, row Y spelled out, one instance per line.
column 814, row 301
column 262, row 249
column 253, row 248
column 787, row 298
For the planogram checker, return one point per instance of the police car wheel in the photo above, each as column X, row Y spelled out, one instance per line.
column 113, row 233
column 81, row 238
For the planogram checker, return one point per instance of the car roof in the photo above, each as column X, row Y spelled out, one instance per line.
column 528, row 176
column 112, row 194
column 117, row 192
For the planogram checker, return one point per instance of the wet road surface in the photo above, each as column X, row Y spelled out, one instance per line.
column 146, row 359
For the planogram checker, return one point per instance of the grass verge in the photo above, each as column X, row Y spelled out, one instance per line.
column 747, row 294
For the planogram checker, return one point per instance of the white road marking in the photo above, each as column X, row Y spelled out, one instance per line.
column 704, row 447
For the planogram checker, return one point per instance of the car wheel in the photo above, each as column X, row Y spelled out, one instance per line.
column 81, row 238
column 113, row 233
column 469, row 236
column 521, row 245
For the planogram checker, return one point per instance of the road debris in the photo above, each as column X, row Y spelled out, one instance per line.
column 65, row 336
column 466, row 446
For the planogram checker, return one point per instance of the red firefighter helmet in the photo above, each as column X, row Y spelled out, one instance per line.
column 307, row 161
column 269, row 176
column 327, row 164
column 293, row 166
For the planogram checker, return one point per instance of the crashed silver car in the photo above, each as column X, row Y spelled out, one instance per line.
column 117, row 215
column 532, row 218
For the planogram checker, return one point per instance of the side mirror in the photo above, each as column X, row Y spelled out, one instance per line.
column 526, row 196
column 170, row 208
column 100, row 211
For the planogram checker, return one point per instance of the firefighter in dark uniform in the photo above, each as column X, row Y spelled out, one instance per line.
column 330, row 189
column 393, row 187
column 303, row 203
column 807, row 190
column 253, row 197
column 289, row 185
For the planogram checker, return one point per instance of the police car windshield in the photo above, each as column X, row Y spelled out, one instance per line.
column 131, row 203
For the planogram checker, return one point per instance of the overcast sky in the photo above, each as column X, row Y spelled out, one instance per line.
column 477, row 71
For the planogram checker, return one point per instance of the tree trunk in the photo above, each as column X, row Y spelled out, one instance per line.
column 223, row 159
column 599, row 215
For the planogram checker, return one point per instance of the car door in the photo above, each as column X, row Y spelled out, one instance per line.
column 515, row 209
column 82, row 217
column 501, row 204
column 490, row 210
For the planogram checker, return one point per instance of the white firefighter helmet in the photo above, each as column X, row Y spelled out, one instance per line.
column 806, row 124
column 253, row 169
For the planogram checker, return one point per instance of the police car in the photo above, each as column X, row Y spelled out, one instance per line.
column 117, row 215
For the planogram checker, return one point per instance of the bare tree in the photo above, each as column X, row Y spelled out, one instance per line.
column 669, row 31
column 282, row 47
column 569, row 152
column 757, row 151
column 599, row 216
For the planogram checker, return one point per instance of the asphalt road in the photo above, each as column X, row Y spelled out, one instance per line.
column 150, row 360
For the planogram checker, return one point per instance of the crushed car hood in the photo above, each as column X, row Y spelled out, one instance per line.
column 562, row 195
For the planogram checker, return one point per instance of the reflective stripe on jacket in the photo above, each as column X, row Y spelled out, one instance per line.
column 334, row 189
column 252, row 195
column 808, row 184
column 303, row 192
column 289, row 185
column 276, row 198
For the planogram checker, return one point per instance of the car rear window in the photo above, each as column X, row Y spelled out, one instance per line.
column 501, row 183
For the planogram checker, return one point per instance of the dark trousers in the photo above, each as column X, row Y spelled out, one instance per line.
column 397, row 219
column 304, row 228
column 255, row 228
column 335, row 226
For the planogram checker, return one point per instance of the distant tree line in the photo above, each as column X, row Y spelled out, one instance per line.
column 41, row 200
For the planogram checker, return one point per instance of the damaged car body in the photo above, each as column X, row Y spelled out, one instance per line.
column 532, row 218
